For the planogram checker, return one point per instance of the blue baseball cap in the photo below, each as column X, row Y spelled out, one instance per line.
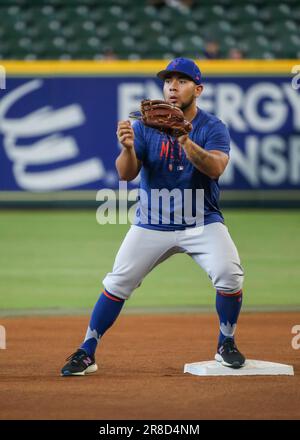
column 184, row 66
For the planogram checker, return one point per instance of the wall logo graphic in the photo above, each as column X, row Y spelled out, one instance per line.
column 2, row 78
column 51, row 148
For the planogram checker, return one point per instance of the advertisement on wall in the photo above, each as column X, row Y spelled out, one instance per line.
column 59, row 133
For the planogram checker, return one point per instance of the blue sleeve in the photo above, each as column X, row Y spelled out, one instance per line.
column 218, row 138
column 139, row 140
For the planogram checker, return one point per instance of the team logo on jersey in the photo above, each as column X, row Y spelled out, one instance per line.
column 172, row 153
column 164, row 149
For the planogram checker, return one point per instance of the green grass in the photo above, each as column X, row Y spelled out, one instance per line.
column 59, row 258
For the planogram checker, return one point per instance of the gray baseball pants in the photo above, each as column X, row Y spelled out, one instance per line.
column 210, row 246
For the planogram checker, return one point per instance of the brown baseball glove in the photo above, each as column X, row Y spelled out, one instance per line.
column 167, row 118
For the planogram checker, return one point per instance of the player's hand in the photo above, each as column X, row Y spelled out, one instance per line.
column 182, row 140
column 125, row 134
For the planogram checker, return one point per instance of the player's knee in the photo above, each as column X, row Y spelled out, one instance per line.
column 118, row 286
column 230, row 278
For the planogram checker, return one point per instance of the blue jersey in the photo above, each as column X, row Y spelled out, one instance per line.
column 165, row 166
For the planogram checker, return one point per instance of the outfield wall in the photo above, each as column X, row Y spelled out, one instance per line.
column 58, row 123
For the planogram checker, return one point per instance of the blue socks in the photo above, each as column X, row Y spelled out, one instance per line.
column 108, row 308
column 228, row 307
column 105, row 312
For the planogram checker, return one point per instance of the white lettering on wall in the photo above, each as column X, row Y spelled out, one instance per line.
column 245, row 162
column 274, row 111
column 274, row 168
column 294, row 100
column 131, row 94
column 230, row 106
column 271, row 160
column 263, row 107
column 295, row 160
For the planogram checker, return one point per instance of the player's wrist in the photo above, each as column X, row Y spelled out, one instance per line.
column 128, row 147
column 184, row 140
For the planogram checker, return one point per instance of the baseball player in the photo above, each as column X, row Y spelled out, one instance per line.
column 193, row 160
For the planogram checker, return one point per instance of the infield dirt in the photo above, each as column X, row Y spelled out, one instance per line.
column 140, row 372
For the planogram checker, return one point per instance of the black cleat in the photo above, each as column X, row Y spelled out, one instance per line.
column 79, row 364
column 229, row 355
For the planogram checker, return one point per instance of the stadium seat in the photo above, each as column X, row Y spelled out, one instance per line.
column 131, row 29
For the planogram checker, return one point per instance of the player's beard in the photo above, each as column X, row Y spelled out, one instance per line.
column 186, row 105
